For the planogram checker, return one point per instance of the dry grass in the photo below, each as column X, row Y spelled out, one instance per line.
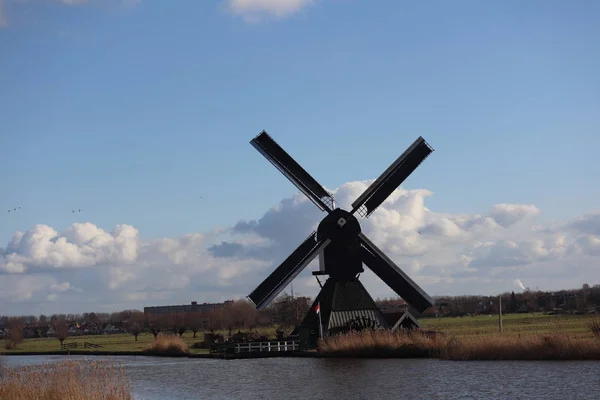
column 383, row 343
column 67, row 380
column 532, row 347
column 167, row 345
column 595, row 328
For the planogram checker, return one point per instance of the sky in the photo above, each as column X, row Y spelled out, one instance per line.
column 139, row 114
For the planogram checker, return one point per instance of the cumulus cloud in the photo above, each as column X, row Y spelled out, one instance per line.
column 253, row 10
column 509, row 214
column 90, row 268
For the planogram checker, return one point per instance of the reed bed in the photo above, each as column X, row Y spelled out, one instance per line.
column 166, row 345
column 532, row 347
column 66, row 380
column 595, row 328
column 2, row 366
column 382, row 343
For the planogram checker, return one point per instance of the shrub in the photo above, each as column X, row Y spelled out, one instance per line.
column 15, row 333
column 167, row 345
column 595, row 328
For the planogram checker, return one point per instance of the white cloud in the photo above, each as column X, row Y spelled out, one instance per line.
column 87, row 268
column 509, row 214
column 253, row 10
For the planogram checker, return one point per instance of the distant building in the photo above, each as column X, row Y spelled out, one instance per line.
column 203, row 308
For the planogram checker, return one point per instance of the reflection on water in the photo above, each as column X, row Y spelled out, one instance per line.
column 349, row 379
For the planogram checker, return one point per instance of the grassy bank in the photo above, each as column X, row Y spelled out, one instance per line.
column 120, row 343
column 68, row 380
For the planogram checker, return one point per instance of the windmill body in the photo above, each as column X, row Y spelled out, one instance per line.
column 342, row 248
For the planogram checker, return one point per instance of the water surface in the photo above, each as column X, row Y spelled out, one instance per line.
column 155, row 378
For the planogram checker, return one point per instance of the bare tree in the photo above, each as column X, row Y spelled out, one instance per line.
column 216, row 319
column 239, row 315
column 194, row 321
column 177, row 323
column 61, row 327
column 92, row 318
column 157, row 323
column 135, row 323
column 15, row 332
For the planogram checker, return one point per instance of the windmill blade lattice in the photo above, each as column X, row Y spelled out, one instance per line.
column 391, row 178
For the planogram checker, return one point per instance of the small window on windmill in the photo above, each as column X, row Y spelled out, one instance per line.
column 341, row 222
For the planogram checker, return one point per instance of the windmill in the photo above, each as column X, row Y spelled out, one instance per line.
column 342, row 247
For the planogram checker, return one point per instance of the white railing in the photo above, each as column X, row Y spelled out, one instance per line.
column 226, row 350
column 266, row 346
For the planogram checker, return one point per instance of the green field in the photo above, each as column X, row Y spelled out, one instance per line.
column 116, row 343
column 513, row 324
column 111, row 343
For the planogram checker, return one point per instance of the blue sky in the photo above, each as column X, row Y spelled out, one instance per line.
column 141, row 113
column 134, row 113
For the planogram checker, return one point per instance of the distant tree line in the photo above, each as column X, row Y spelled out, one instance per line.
column 285, row 311
column 585, row 300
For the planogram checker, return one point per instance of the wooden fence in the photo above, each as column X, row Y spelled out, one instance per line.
column 67, row 346
column 73, row 345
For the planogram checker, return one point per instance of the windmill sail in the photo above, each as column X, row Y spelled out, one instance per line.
column 393, row 276
column 293, row 171
column 287, row 271
column 392, row 177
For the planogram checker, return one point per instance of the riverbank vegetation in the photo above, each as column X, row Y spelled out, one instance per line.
column 67, row 380
column 535, row 336
column 461, row 327
column 380, row 343
column 167, row 345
